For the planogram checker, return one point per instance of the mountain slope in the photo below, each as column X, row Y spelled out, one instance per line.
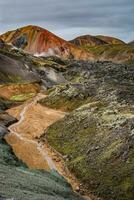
column 106, row 48
column 110, row 40
column 97, row 137
column 12, row 70
column 87, row 40
column 18, row 66
column 41, row 42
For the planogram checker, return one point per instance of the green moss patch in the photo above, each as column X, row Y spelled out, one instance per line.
column 22, row 97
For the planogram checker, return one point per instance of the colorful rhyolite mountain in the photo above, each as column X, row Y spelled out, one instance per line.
column 87, row 40
column 41, row 42
column 106, row 48
column 91, row 40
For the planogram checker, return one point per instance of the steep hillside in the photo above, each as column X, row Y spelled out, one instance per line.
column 19, row 67
column 87, row 40
column 97, row 137
column 41, row 42
column 13, row 71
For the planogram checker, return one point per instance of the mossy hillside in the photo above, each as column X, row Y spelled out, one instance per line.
column 99, row 152
column 65, row 97
column 37, row 62
column 52, row 62
column 115, row 52
column 97, row 137
column 91, row 82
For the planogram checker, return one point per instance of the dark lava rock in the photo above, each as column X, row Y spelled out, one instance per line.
column 3, row 131
column 6, row 119
column 20, row 42
column 13, row 71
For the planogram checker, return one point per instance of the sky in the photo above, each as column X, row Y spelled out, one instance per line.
column 71, row 18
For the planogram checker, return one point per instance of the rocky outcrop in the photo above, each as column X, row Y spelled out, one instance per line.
column 19, row 67
column 5, row 119
column 3, row 131
column 12, row 70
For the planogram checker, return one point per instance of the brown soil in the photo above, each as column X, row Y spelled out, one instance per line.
column 10, row 90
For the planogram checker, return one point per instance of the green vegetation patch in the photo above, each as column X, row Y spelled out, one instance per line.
column 66, row 97
column 22, row 97
column 15, row 79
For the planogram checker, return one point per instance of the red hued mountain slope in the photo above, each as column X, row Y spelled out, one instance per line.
column 41, row 42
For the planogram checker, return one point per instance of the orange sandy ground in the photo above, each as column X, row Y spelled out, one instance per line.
column 37, row 119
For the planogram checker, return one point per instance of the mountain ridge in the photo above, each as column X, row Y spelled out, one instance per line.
column 40, row 42
column 87, row 39
column 95, row 40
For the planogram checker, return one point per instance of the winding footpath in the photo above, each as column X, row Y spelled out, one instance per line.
column 39, row 147
column 26, row 146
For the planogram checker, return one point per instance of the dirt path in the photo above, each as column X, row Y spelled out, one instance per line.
column 23, row 137
column 30, row 142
